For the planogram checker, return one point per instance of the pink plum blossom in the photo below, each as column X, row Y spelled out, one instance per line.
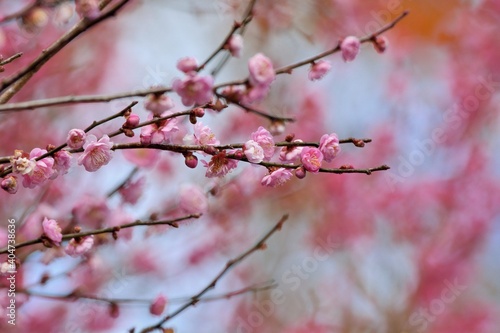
column 96, row 153
column 158, row 103
column 42, row 170
column 264, row 138
column 329, row 146
column 319, row 69
column 159, row 132
column 143, row 158
column 21, row 163
column 76, row 248
column 235, row 45
column 76, row 138
column 290, row 154
column 62, row 162
column 158, row 305
column 219, row 165
column 261, row 70
column 187, row 65
column 192, row 200
column 253, row 151
column 203, row 135
column 350, row 48
column 311, row 158
column 277, row 177
column 194, row 89
column 52, row 230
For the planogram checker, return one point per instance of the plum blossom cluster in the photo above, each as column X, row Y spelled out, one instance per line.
column 52, row 236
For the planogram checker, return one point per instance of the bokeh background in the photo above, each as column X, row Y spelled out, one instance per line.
column 412, row 249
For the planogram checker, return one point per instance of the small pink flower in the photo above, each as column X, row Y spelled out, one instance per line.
column 203, row 135
column 144, row 158
column 132, row 190
column 62, row 163
column 96, row 153
column 235, row 45
column 52, row 230
column 158, row 103
column 194, row 89
column 264, row 138
column 42, row 171
column 277, row 177
column 81, row 246
column 319, row 69
column 261, row 70
column 187, row 65
column 160, row 132
column 9, row 184
column 87, row 8
column 219, row 165
column 253, row 151
column 329, row 146
column 158, row 305
column 290, row 154
column 192, row 200
column 76, row 138
column 21, row 163
column 350, row 48
column 311, row 159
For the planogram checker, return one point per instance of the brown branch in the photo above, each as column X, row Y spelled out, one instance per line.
column 123, row 183
column 60, row 101
column 173, row 223
column 10, row 59
column 17, row 81
column 70, row 297
column 260, row 245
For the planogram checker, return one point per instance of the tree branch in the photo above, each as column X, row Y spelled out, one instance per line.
column 260, row 245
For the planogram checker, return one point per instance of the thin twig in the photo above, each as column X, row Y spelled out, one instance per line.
column 17, row 81
column 230, row 264
column 173, row 223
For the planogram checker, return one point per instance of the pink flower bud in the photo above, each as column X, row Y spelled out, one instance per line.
column 380, row 44
column 9, row 184
column 76, row 138
column 187, row 65
column 158, row 305
column 235, row 45
column 350, row 48
column 132, row 121
column 300, row 173
column 319, row 69
column 191, row 161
